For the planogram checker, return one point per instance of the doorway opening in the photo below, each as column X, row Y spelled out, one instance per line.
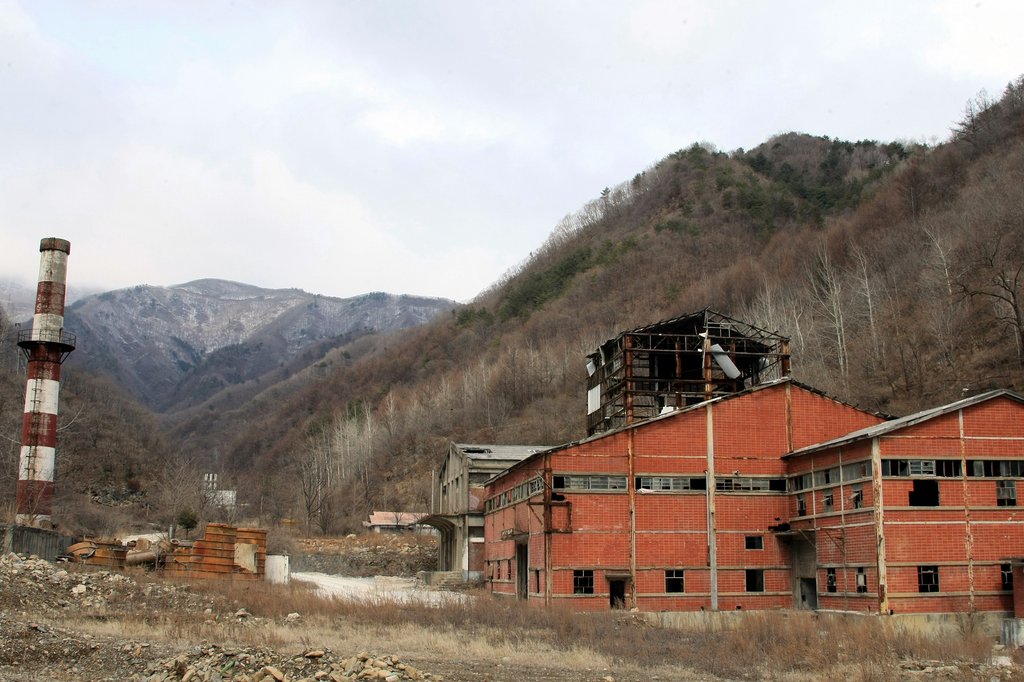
column 617, row 593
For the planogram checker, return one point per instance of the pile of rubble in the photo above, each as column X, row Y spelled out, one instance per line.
column 47, row 587
column 41, row 604
column 265, row 665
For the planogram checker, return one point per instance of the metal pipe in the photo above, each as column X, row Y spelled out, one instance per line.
column 46, row 346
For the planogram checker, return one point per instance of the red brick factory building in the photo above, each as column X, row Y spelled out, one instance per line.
column 711, row 480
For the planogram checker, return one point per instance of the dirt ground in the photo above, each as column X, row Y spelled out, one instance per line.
column 72, row 622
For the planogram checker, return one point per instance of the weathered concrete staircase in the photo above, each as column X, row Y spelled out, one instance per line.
column 441, row 580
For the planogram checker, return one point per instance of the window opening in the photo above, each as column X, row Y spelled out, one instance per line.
column 921, row 467
column 583, row 582
column 830, row 580
column 828, row 499
column 755, row 580
column 1006, row 493
column 925, row 493
column 801, row 506
column 857, row 496
column 1006, row 576
column 754, row 542
column 666, row 484
column 584, row 482
column 674, row 582
column 927, row 578
column 862, row 580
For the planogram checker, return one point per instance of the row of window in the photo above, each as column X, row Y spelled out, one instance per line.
column 923, row 493
column 831, row 582
column 835, row 475
column 675, row 581
column 668, row 483
column 520, row 492
column 926, row 496
column 828, row 499
column 941, row 468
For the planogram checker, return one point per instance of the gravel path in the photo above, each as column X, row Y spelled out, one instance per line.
column 377, row 589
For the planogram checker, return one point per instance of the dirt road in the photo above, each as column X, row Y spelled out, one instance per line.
column 377, row 589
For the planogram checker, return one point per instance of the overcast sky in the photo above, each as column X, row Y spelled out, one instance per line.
column 424, row 147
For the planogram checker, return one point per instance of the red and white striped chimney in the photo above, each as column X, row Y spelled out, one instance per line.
column 46, row 345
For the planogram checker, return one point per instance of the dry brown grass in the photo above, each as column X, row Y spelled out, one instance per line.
column 775, row 644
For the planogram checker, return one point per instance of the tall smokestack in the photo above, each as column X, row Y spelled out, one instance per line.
column 46, row 345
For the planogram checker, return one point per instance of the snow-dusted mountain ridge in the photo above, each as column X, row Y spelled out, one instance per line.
column 177, row 345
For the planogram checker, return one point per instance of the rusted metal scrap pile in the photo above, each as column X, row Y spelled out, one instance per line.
column 223, row 552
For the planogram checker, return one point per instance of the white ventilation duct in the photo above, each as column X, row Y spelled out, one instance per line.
column 725, row 362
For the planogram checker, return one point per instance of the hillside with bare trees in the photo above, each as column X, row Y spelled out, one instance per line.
column 896, row 269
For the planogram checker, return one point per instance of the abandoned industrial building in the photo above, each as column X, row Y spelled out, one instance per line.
column 713, row 480
column 457, row 502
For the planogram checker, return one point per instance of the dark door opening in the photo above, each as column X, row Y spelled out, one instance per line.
column 617, row 593
column 808, row 593
column 522, row 571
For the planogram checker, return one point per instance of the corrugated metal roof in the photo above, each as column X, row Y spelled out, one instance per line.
column 387, row 518
column 909, row 420
column 510, row 453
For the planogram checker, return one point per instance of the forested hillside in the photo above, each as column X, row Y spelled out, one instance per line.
column 897, row 270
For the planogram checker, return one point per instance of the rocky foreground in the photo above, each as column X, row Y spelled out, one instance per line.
column 52, row 623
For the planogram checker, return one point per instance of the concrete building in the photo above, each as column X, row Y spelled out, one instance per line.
column 458, row 502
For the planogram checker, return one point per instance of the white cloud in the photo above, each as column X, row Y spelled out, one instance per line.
column 427, row 147
column 981, row 38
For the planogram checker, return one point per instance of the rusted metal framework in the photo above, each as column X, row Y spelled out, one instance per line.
column 682, row 361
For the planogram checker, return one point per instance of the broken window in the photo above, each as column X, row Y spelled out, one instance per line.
column 830, row 580
column 995, row 467
column 945, row 468
column 754, row 542
column 925, row 493
column 674, row 580
column 667, row 484
column 921, row 467
column 801, row 482
column 927, row 578
column 826, row 476
column 828, row 500
column 583, row 582
column 755, row 580
column 857, row 496
column 862, row 580
column 584, row 482
column 1006, row 576
column 744, row 484
column 852, row 472
column 801, row 506
column 1006, row 493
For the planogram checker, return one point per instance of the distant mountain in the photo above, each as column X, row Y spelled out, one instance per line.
column 172, row 347
column 17, row 300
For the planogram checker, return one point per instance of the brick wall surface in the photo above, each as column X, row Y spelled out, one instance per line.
column 968, row 537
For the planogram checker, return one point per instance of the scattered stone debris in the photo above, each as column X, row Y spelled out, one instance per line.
column 264, row 665
column 32, row 588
